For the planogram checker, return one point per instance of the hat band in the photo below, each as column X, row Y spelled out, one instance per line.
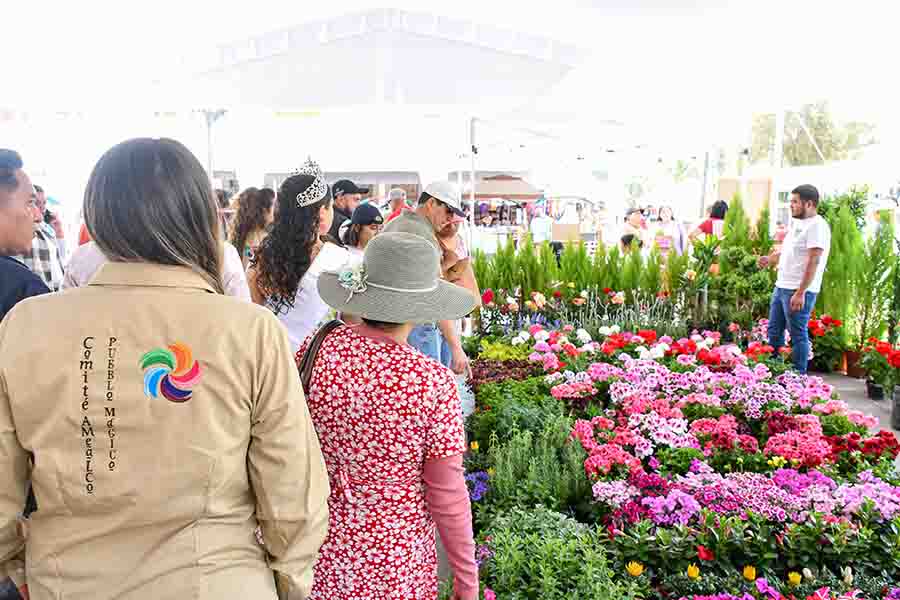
column 410, row 290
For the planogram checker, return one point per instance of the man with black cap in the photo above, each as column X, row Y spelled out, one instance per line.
column 437, row 206
column 347, row 196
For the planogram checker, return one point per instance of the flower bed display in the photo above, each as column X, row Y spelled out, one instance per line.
column 670, row 468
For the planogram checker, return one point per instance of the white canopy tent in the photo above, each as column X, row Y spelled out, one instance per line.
column 395, row 88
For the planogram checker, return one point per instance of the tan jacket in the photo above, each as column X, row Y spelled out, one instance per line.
column 165, row 423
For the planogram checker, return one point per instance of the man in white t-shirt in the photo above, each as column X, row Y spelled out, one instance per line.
column 801, row 264
column 541, row 227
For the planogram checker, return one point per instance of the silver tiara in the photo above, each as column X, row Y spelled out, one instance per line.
column 317, row 190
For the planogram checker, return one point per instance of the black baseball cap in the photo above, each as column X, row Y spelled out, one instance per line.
column 345, row 186
column 367, row 214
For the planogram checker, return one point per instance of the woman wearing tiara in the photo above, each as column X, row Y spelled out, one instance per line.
column 289, row 261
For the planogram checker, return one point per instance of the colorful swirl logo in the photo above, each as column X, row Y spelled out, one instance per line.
column 170, row 372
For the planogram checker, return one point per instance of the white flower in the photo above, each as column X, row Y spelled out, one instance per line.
column 735, row 350
column 702, row 346
column 657, row 352
column 517, row 341
column 697, row 338
column 583, row 336
column 541, row 336
column 605, row 331
column 584, row 293
column 643, row 353
column 510, row 300
column 615, row 329
column 665, row 347
column 710, row 341
column 524, row 335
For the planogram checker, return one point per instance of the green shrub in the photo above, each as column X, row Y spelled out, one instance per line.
column 540, row 468
column 512, row 405
column 539, row 554
column 500, row 350
column 677, row 461
column 839, row 425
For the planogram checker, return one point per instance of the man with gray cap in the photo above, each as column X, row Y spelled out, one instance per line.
column 397, row 203
column 437, row 206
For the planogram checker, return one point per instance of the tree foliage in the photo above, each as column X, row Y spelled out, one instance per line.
column 837, row 141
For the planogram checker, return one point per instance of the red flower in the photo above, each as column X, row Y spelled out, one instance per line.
column 557, row 294
column 704, row 553
column 818, row 332
column 607, row 291
column 837, row 322
column 883, row 348
column 648, row 335
column 895, row 359
column 487, row 297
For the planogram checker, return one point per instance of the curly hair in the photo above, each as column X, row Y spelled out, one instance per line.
column 287, row 252
column 250, row 209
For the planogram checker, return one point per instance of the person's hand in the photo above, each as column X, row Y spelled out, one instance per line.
column 798, row 300
column 23, row 591
column 459, row 363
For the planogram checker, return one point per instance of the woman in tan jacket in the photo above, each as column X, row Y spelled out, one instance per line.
column 160, row 422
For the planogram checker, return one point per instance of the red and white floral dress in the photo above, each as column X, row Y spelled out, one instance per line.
column 381, row 410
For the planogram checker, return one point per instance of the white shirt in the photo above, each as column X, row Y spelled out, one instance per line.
column 87, row 259
column 541, row 229
column 309, row 308
column 802, row 236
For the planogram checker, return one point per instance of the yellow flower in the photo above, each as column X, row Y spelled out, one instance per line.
column 794, row 578
column 693, row 571
column 750, row 573
column 571, row 284
column 635, row 569
column 491, row 472
column 530, row 305
column 690, row 274
column 777, row 462
column 474, row 446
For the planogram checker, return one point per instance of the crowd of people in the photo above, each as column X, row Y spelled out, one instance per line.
column 178, row 422
column 163, row 430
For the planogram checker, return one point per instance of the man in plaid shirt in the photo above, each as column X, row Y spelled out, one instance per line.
column 45, row 259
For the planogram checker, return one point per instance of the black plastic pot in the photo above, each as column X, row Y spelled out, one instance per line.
column 875, row 391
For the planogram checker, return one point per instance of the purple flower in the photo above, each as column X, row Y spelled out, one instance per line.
column 477, row 483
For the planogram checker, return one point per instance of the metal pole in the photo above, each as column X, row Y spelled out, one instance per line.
column 211, row 117
column 703, row 191
column 474, row 151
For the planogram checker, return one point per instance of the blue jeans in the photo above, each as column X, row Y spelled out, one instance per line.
column 781, row 317
column 446, row 354
column 427, row 340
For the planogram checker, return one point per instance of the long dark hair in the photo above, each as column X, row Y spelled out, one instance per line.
column 150, row 200
column 285, row 255
column 719, row 210
column 351, row 236
column 251, row 208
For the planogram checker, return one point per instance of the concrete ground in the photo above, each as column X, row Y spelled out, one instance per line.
column 853, row 392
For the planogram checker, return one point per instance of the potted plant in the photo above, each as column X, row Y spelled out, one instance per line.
column 828, row 344
column 880, row 374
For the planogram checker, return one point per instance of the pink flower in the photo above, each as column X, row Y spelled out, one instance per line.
column 734, row 328
column 568, row 328
column 534, row 329
column 489, row 594
column 542, row 347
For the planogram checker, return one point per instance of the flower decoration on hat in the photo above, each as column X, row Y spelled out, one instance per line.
column 353, row 279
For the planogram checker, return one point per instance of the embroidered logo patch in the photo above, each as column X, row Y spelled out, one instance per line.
column 170, row 372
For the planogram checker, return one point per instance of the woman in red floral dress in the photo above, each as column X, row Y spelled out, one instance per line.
column 390, row 427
